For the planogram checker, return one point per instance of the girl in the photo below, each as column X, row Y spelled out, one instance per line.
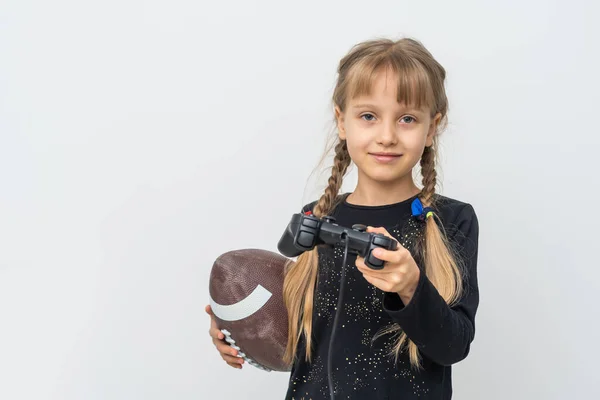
column 402, row 327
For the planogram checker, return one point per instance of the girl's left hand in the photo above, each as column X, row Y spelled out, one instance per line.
column 400, row 273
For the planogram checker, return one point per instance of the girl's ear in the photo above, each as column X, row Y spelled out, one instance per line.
column 432, row 129
column 339, row 117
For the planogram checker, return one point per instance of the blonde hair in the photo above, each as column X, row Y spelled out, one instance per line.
column 420, row 83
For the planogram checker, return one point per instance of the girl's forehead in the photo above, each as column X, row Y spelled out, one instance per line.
column 410, row 88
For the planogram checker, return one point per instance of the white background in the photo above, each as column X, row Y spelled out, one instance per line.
column 139, row 140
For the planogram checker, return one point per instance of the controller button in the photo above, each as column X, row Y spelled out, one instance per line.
column 381, row 241
column 375, row 262
column 306, row 239
column 310, row 223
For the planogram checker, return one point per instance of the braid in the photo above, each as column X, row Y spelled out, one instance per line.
column 341, row 161
column 429, row 176
column 301, row 278
column 439, row 264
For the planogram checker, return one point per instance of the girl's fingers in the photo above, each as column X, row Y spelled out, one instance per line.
column 225, row 348
column 235, row 365
column 214, row 330
column 228, row 353
column 232, row 359
column 216, row 333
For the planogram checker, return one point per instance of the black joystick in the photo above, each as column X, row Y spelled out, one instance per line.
column 304, row 232
column 360, row 227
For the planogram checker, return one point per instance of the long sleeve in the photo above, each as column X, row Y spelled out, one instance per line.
column 443, row 333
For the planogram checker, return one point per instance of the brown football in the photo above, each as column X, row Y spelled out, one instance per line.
column 246, row 297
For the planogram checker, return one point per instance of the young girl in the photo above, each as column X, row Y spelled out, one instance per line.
column 402, row 327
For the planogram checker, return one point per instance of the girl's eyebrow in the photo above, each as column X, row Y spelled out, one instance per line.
column 365, row 105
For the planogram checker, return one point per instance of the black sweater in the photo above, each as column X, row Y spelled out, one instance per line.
column 443, row 334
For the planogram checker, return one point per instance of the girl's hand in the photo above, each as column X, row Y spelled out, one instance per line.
column 227, row 353
column 400, row 273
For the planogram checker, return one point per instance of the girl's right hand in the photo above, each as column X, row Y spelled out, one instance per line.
column 228, row 353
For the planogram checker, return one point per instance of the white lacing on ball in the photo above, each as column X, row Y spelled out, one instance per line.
column 241, row 354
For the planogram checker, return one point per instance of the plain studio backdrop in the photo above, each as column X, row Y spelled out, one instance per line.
column 140, row 140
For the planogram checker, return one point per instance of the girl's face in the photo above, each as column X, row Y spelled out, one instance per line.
column 378, row 124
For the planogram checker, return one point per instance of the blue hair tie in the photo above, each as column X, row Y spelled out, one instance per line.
column 420, row 212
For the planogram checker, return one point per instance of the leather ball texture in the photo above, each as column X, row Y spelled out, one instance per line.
column 246, row 297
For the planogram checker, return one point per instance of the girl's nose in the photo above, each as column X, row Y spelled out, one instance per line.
column 387, row 135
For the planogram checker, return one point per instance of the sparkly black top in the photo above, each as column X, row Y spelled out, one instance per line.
column 361, row 367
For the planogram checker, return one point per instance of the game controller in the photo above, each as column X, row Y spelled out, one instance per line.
column 305, row 231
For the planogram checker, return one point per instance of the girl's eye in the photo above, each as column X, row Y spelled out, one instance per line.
column 366, row 115
column 371, row 115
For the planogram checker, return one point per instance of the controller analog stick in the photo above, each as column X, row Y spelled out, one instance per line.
column 359, row 227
